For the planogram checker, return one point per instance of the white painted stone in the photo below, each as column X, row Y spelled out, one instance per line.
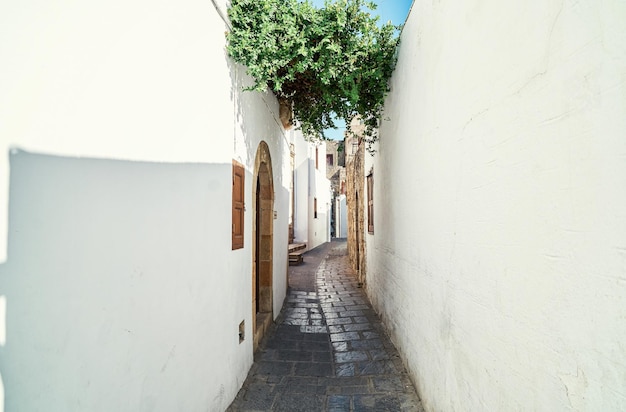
column 499, row 255
column 311, row 183
column 342, row 216
column 319, row 227
column 119, row 122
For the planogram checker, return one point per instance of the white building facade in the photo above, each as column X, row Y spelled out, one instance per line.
column 497, row 256
column 122, row 125
column 312, row 199
column 341, row 210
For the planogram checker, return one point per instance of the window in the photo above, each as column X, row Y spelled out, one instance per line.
column 315, row 208
column 370, row 202
column 238, row 204
column 329, row 160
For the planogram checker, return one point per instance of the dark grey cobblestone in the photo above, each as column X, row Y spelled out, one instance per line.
column 328, row 350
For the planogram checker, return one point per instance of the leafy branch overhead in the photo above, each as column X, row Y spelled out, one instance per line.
column 333, row 61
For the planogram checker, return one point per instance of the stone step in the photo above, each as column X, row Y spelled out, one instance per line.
column 293, row 247
column 295, row 257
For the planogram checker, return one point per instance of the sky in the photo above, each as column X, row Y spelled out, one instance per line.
column 394, row 10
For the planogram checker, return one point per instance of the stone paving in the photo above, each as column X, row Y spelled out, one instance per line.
column 328, row 350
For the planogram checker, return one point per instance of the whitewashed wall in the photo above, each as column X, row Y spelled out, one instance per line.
column 121, row 289
column 499, row 255
column 342, row 216
column 310, row 183
column 302, row 162
column 319, row 188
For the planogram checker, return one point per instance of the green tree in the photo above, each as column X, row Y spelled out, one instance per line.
column 333, row 61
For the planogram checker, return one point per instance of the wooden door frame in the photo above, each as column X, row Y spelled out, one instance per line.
column 262, row 243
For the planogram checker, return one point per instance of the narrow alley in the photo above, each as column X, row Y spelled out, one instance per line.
column 328, row 350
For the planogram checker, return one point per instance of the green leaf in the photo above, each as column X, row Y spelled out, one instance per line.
column 329, row 61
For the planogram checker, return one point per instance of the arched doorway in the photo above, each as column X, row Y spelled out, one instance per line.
column 262, row 247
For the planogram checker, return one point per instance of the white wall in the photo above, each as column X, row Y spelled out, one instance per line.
column 302, row 161
column 342, row 217
column 499, row 255
column 311, row 183
column 121, row 290
column 319, row 188
column 96, row 71
column 110, row 287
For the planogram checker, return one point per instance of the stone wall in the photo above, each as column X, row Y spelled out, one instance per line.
column 356, row 211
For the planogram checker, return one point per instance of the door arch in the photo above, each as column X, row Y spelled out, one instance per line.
column 263, row 242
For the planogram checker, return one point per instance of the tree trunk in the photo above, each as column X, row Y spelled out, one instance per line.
column 285, row 112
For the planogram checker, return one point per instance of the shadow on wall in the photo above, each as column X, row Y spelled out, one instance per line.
column 252, row 111
column 115, row 270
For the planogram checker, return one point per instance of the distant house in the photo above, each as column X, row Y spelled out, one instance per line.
column 336, row 173
column 311, row 193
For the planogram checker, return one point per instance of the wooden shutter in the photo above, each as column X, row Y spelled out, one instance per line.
column 370, row 203
column 239, row 188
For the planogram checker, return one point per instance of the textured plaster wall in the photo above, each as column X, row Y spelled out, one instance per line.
column 499, row 255
column 110, row 299
column 118, row 123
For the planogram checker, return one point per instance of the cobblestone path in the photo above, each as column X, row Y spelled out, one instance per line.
column 328, row 350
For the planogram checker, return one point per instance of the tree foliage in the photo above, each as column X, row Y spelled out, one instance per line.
column 333, row 61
